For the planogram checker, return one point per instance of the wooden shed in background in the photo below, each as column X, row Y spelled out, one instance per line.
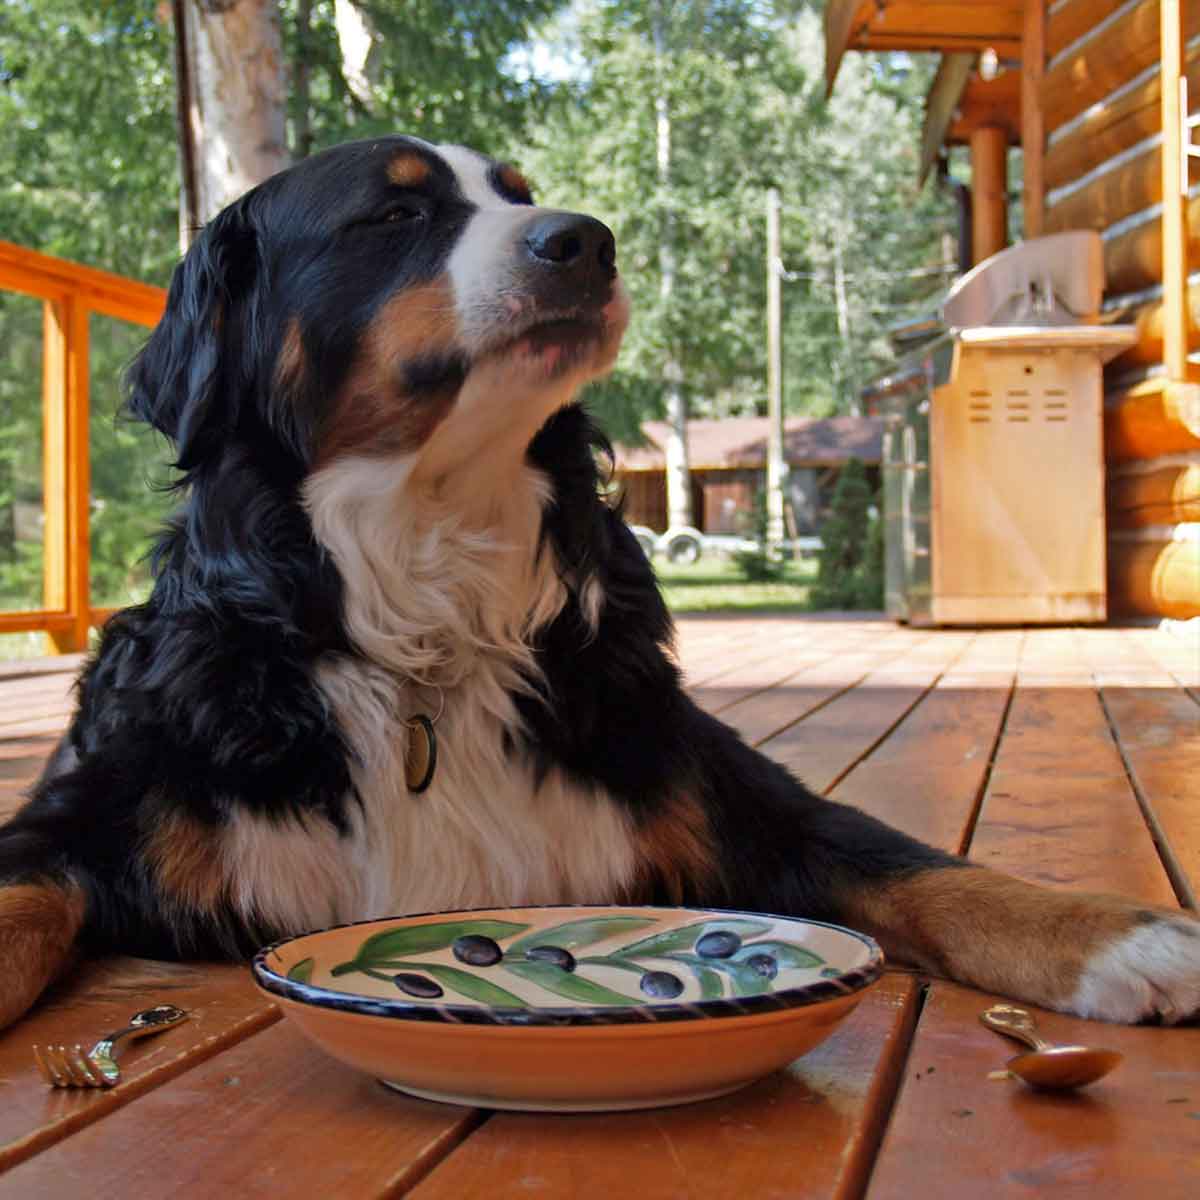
column 1096, row 92
column 728, row 460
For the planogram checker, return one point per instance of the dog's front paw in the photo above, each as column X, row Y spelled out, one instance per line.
column 1150, row 971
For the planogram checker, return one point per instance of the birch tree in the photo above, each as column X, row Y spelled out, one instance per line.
column 232, row 89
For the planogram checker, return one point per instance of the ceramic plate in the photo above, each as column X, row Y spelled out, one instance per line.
column 570, row 1008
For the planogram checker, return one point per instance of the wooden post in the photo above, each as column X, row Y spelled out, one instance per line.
column 989, row 190
column 65, row 470
column 776, row 466
column 1174, row 202
column 1033, row 125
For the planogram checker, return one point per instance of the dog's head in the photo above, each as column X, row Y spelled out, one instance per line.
column 386, row 297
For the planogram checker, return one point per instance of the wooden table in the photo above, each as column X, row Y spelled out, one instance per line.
column 1067, row 756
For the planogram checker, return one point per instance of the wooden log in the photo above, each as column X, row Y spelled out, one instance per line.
column 1177, row 318
column 840, row 24
column 1106, row 199
column 1113, row 55
column 1152, row 321
column 1110, row 126
column 953, row 74
column 1168, row 494
column 1150, row 419
column 1133, row 261
column 1155, row 578
column 989, row 191
column 1033, row 125
column 1070, row 21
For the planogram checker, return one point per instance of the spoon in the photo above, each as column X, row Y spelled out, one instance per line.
column 1047, row 1065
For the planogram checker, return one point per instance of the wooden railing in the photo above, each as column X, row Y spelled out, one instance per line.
column 69, row 293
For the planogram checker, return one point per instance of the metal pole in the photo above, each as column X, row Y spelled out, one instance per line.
column 776, row 467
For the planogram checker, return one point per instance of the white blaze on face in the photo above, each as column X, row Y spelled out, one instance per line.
column 481, row 266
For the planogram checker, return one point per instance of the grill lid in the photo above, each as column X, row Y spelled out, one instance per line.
column 1048, row 281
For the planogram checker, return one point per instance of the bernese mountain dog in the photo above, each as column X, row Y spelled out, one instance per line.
column 392, row 534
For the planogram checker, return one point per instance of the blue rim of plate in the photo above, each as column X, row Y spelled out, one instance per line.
column 818, row 992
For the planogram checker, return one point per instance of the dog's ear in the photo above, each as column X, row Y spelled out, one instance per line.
column 198, row 368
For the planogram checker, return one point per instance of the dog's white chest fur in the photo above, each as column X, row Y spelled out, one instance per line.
column 436, row 604
column 485, row 833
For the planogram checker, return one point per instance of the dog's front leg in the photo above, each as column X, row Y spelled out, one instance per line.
column 779, row 847
column 1096, row 955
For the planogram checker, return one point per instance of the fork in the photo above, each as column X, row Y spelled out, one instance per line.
column 69, row 1066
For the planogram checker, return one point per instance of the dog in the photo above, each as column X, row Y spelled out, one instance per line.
column 392, row 531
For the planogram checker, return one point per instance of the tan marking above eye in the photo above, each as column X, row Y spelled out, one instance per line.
column 514, row 182
column 408, row 170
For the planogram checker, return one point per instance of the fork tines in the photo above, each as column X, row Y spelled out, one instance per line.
column 68, row 1066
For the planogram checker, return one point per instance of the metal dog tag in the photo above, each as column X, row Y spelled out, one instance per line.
column 420, row 759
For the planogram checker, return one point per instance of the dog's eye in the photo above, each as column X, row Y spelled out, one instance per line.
column 403, row 212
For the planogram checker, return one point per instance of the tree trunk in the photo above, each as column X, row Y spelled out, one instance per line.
column 302, row 135
column 843, row 325
column 679, row 482
column 356, row 41
column 231, row 95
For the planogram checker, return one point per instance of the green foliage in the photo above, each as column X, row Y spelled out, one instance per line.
column 88, row 171
column 744, row 86
column 850, row 568
column 439, row 69
column 758, row 565
column 870, row 590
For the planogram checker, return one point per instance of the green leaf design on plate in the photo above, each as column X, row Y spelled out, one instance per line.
column 469, row 985
column 685, row 937
column 563, row 983
column 302, row 971
column 784, row 953
column 746, row 980
column 612, row 961
column 392, row 944
column 573, row 934
column 711, row 986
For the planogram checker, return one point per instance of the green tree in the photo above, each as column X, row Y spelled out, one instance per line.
column 847, row 572
column 748, row 111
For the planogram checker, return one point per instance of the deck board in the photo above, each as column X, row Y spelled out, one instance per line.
column 1038, row 751
column 1059, row 810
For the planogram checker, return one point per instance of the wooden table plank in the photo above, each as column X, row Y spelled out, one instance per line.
column 1058, row 810
column 764, row 714
column 936, row 700
column 98, row 998
column 928, row 776
column 956, row 1134
column 804, row 1132
column 1157, row 727
column 828, row 743
column 271, row 1117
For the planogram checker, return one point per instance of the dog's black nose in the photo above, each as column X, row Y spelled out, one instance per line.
column 575, row 241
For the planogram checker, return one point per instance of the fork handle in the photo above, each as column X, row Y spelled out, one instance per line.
column 153, row 1020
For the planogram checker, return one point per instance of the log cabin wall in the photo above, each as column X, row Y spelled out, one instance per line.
column 1111, row 163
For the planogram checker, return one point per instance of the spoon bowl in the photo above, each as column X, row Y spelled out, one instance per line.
column 1057, row 1068
column 1063, row 1067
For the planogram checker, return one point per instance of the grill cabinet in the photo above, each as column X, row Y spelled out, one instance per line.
column 993, row 462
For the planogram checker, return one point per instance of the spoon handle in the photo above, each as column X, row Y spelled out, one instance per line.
column 1015, row 1023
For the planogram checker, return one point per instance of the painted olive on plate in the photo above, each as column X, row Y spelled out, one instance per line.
column 718, row 944
column 662, row 984
column 555, row 955
column 476, row 950
column 417, row 985
column 764, row 965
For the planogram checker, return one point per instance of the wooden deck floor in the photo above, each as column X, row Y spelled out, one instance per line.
column 1066, row 756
